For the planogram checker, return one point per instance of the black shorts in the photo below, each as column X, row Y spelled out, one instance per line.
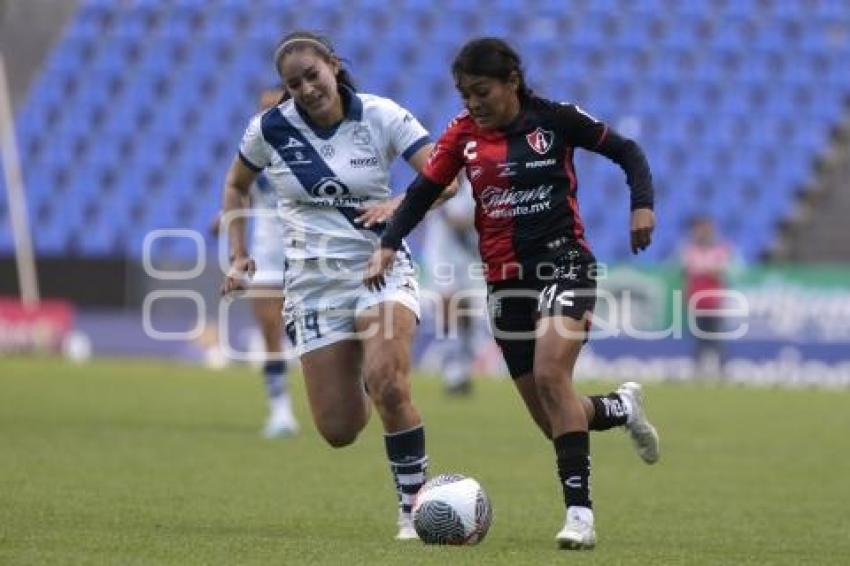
column 564, row 286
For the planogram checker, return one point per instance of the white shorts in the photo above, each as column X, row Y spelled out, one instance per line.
column 323, row 298
column 267, row 250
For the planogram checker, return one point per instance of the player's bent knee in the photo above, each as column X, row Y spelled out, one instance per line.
column 340, row 432
column 339, row 437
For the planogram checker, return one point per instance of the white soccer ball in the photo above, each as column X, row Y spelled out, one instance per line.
column 452, row 509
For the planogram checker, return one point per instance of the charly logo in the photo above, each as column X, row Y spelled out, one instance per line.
column 292, row 143
column 327, row 151
column 329, row 187
column 540, row 140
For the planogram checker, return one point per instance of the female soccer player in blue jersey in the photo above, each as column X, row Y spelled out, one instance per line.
column 517, row 149
column 327, row 152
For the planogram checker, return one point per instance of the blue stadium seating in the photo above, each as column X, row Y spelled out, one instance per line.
column 140, row 106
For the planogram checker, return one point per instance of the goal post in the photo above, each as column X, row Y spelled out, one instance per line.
column 16, row 196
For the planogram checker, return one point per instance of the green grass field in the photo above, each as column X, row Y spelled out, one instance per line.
column 143, row 463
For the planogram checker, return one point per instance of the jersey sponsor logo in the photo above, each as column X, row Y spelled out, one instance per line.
column 558, row 243
column 540, row 140
column 361, row 162
column 292, row 143
column 329, row 187
column 345, row 202
column 570, row 273
column 327, row 151
column 500, row 202
column 540, row 163
column 506, row 168
column 300, row 159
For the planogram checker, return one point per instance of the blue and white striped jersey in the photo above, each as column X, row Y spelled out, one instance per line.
column 323, row 176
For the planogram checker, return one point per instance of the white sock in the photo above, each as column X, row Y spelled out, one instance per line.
column 282, row 402
column 584, row 514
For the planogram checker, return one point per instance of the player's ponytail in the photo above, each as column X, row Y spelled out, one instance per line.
column 491, row 57
column 322, row 46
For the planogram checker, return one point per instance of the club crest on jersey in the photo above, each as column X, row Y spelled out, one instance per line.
column 540, row 140
column 361, row 135
column 329, row 187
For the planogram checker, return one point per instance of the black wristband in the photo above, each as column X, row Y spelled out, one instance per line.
column 393, row 243
column 636, row 205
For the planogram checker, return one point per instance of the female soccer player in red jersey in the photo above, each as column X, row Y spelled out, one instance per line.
column 517, row 149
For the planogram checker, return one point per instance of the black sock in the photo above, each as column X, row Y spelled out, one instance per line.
column 608, row 411
column 408, row 462
column 573, row 451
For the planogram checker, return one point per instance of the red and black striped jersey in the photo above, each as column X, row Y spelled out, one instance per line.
column 524, row 182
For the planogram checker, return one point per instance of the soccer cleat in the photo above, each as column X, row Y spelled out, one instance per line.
column 578, row 532
column 459, row 389
column 644, row 436
column 281, row 421
column 405, row 528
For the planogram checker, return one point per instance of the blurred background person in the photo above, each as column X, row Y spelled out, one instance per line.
column 266, row 294
column 706, row 264
column 451, row 254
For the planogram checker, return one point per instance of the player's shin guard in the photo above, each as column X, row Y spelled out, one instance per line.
column 408, row 462
column 573, row 453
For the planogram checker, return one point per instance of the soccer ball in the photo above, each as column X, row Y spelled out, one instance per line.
column 452, row 509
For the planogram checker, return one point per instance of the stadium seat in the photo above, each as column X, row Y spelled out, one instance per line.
column 190, row 70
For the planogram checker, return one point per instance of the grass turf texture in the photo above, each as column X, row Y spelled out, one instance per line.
column 140, row 463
